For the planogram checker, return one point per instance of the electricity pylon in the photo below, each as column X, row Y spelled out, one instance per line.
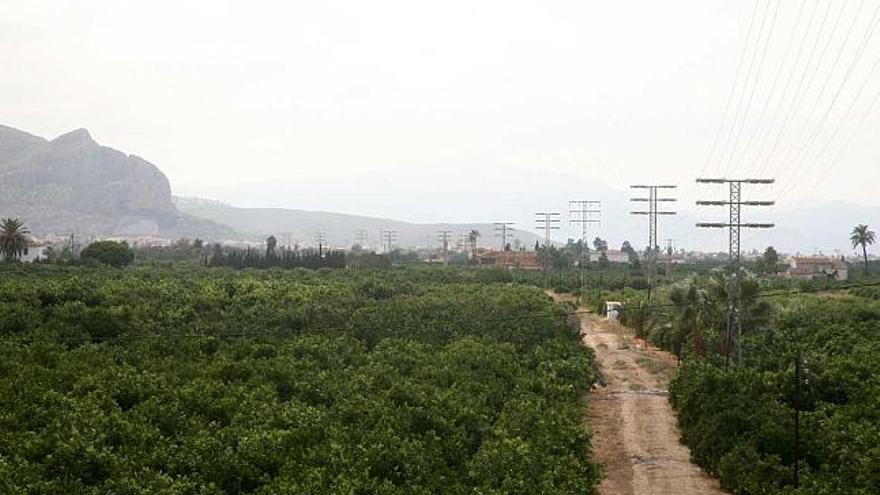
column 584, row 213
column 503, row 230
column 320, row 238
column 548, row 222
column 653, row 213
column 734, row 226
column 388, row 238
column 443, row 236
column 362, row 237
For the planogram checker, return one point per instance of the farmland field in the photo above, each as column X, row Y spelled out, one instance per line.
column 739, row 421
column 211, row 381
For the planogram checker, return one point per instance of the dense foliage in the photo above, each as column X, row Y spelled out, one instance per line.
column 111, row 253
column 739, row 422
column 215, row 381
column 284, row 258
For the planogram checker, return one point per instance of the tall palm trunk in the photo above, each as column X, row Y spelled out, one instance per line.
column 865, row 254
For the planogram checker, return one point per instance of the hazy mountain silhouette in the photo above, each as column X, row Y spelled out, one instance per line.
column 341, row 229
column 72, row 184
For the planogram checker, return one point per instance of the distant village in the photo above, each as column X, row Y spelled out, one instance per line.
column 794, row 265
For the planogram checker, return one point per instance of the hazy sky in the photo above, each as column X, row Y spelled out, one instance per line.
column 427, row 110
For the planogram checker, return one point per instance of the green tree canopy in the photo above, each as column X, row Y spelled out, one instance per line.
column 112, row 253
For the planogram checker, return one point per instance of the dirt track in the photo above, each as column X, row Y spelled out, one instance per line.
column 634, row 432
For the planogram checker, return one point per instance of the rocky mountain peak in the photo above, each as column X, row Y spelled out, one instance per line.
column 77, row 137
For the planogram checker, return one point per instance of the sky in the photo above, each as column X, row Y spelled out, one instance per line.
column 459, row 110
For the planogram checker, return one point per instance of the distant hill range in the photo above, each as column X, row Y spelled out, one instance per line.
column 341, row 230
column 72, row 184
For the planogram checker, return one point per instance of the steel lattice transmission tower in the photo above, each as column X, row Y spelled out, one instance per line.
column 388, row 238
column 443, row 236
column 321, row 239
column 502, row 231
column 735, row 226
column 584, row 213
column 653, row 213
column 548, row 222
column 362, row 237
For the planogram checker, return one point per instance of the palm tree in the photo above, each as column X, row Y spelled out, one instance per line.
column 861, row 236
column 13, row 238
column 271, row 243
column 473, row 235
column 689, row 321
column 757, row 312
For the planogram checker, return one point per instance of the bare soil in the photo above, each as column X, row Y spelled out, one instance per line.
column 634, row 433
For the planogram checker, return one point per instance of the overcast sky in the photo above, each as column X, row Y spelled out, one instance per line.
column 430, row 110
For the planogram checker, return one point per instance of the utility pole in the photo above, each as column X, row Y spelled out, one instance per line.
column 548, row 222
column 288, row 236
column 503, row 230
column 362, row 237
column 443, row 235
column 798, row 376
column 461, row 243
column 653, row 213
column 734, row 226
column 388, row 238
column 584, row 213
column 321, row 239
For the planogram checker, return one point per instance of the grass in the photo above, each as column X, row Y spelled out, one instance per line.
column 651, row 365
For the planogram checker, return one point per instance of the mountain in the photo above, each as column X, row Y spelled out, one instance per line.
column 72, row 184
column 341, row 229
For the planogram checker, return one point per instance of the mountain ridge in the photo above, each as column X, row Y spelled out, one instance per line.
column 72, row 184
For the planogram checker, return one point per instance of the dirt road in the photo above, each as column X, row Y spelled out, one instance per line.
column 634, row 432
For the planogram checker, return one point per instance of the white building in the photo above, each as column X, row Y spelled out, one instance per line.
column 808, row 267
column 613, row 256
column 34, row 251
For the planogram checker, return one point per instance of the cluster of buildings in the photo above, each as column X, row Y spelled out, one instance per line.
column 810, row 267
column 798, row 267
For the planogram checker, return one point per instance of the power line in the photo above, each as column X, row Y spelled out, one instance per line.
column 443, row 235
column 748, row 107
column 652, row 213
column 788, row 80
column 734, row 226
column 798, row 95
column 795, row 151
column 388, row 238
column 817, row 129
column 502, row 231
column 548, row 222
column 320, row 238
column 584, row 213
column 733, row 87
column 833, row 165
column 362, row 237
column 775, row 83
